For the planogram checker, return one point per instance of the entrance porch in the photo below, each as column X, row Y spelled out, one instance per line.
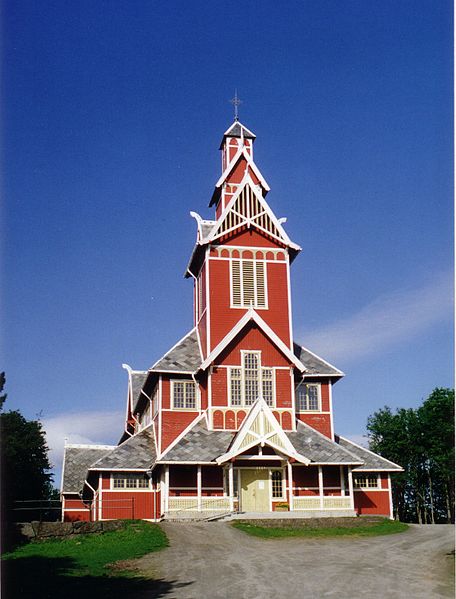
column 294, row 490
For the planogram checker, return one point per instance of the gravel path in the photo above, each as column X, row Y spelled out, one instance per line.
column 216, row 561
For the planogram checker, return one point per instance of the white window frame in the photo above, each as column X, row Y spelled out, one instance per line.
column 244, row 304
column 124, row 476
column 282, row 496
column 261, row 368
column 361, row 481
column 186, row 383
column 301, row 385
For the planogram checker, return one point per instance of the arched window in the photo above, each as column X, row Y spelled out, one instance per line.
column 277, row 490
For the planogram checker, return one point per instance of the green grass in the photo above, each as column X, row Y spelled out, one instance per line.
column 370, row 529
column 71, row 567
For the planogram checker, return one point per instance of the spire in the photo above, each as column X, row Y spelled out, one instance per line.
column 236, row 102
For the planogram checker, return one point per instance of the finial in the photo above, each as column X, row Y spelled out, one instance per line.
column 235, row 102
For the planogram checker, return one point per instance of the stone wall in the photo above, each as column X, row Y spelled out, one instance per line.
column 43, row 530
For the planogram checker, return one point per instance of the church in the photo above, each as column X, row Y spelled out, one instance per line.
column 237, row 417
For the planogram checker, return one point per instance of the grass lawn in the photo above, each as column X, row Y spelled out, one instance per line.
column 369, row 529
column 71, row 567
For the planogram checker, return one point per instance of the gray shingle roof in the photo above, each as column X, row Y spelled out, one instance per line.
column 200, row 445
column 372, row 461
column 185, row 356
column 314, row 364
column 236, row 129
column 136, row 453
column 318, row 448
column 77, row 460
column 138, row 378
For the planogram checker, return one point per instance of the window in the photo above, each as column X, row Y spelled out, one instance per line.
column 248, row 382
column 277, row 489
column 308, row 397
column 366, row 481
column 126, row 480
column 248, row 283
column 184, row 395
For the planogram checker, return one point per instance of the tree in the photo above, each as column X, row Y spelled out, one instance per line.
column 25, row 463
column 422, row 442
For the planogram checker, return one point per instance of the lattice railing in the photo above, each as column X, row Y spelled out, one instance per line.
column 329, row 503
column 212, row 504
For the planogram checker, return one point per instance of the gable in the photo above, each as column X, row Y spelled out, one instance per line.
column 261, row 428
column 249, row 209
column 252, row 338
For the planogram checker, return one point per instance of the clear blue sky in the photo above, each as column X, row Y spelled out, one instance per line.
column 112, row 117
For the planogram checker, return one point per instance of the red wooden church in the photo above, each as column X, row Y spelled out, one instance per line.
column 236, row 416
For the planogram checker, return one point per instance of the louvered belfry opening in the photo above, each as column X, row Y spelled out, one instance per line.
column 248, row 283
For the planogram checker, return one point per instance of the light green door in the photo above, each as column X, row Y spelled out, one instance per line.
column 255, row 491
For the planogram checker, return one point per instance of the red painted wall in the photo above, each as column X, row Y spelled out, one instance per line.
column 320, row 422
column 127, row 504
column 374, row 502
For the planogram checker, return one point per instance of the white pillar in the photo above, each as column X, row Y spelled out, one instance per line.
column 342, row 481
column 390, row 493
column 166, row 489
column 320, row 486
column 290, row 485
column 350, row 488
column 198, row 484
column 231, row 486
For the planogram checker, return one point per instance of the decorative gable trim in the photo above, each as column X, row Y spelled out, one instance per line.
column 248, row 316
column 261, row 428
column 242, row 152
column 233, row 217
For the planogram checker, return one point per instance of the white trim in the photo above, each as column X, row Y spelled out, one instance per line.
column 290, row 485
column 374, row 454
column 304, row 383
column 350, row 488
column 100, row 496
column 184, row 382
column 88, row 446
column 321, row 487
column 251, row 315
column 160, row 410
column 198, row 485
column 290, row 315
column 390, row 490
column 329, row 383
column 242, row 151
column 231, row 485
column 166, row 485
column 369, row 490
column 208, row 304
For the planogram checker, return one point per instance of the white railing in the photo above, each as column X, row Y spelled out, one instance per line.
column 329, row 503
column 191, row 504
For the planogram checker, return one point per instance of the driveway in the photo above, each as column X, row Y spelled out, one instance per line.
column 215, row 561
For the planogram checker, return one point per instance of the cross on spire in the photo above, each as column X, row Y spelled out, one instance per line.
column 235, row 102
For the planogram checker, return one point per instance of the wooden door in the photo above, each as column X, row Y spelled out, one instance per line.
column 255, row 491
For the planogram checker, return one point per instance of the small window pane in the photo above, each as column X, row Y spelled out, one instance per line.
column 277, row 484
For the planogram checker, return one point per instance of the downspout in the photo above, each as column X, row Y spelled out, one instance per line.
column 129, row 370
